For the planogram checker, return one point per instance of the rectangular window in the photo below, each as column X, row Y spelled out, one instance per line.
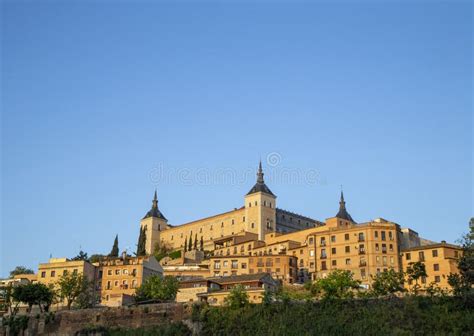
column 361, row 237
column 421, row 256
column 333, row 250
column 323, row 254
column 423, row 280
column 376, row 234
column 235, row 264
column 390, row 235
column 243, row 265
column 362, row 273
column 334, row 262
column 333, row 239
column 436, row 267
column 348, row 249
column 311, row 253
column 434, row 253
column 323, row 241
column 346, row 236
column 408, row 256
column 217, row 264
column 391, row 247
column 384, row 248
column 117, row 272
column 323, row 266
column 382, row 233
column 53, row 274
column 384, row 260
column 311, row 240
column 437, row 278
column 376, row 247
column 348, row 261
column 377, row 260
column 392, row 260
column 226, row 263
column 43, row 274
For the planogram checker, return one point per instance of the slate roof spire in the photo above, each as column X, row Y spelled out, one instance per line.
column 154, row 211
column 342, row 213
column 260, row 186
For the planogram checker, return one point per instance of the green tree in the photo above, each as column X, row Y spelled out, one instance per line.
column 21, row 270
column 115, row 248
column 185, row 244
column 415, row 271
column 34, row 294
column 237, row 297
column 190, row 243
column 196, row 242
column 388, row 283
column 141, row 246
column 338, row 284
column 71, row 285
column 95, row 258
column 463, row 282
column 202, row 243
column 81, row 256
column 158, row 288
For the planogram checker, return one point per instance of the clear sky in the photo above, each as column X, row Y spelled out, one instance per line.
column 103, row 101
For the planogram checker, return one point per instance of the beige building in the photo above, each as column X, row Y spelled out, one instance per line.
column 215, row 290
column 49, row 273
column 440, row 260
column 259, row 215
column 119, row 278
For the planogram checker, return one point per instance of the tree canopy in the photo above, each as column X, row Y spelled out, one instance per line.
column 21, row 270
column 338, row 284
column 388, row 283
column 158, row 288
column 71, row 285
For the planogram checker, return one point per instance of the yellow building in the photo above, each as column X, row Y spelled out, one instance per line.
column 259, row 215
column 49, row 273
column 119, row 278
column 440, row 260
column 215, row 290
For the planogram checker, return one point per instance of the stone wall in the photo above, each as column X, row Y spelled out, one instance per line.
column 70, row 322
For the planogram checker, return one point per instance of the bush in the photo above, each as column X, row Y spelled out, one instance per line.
column 394, row 316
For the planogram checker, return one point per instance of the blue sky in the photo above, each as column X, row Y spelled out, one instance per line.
column 98, row 98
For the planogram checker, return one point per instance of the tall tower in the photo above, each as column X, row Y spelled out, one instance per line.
column 260, row 208
column 153, row 222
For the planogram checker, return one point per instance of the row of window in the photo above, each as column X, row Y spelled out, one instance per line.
column 225, row 263
column 421, row 255
column 361, row 237
column 437, row 279
column 264, row 204
column 122, row 272
column 121, row 285
column 53, row 273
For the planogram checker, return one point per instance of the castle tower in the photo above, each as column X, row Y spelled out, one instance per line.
column 260, row 205
column 153, row 222
column 342, row 218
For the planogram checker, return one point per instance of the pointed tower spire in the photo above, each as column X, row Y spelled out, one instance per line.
column 260, row 186
column 342, row 213
column 154, row 211
column 260, row 173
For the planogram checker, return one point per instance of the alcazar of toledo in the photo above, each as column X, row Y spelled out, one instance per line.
column 251, row 239
column 258, row 246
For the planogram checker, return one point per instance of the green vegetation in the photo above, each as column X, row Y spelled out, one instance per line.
column 81, row 256
column 388, row 282
column 71, row 286
column 416, row 271
column 115, row 248
column 141, row 249
column 392, row 316
column 171, row 329
column 463, row 282
column 237, row 297
column 157, row 288
column 21, row 270
column 338, row 284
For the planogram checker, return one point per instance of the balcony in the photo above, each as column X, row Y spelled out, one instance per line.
column 323, row 257
column 323, row 243
column 362, row 251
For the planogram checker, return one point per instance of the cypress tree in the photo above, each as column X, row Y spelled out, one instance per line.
column 185, row 244
column 115, row 248
column 141, row 246
column 202, row 243
column 190, row 244
column 196, row 242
